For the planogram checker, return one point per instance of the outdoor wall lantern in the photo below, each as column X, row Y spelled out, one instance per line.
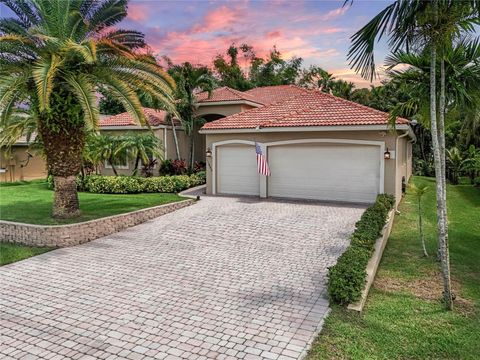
column 386, row 155
column 208, row 153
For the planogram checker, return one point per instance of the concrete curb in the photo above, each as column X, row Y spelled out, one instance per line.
column 372, row 265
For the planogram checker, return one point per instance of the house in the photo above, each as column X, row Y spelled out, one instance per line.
column 318, row 146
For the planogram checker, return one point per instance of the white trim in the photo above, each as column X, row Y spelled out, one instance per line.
column 214, row 160
column 230, row 102
column 305, row 129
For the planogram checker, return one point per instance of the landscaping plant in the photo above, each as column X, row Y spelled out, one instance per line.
column 346, row 279
column 54, row 56
column 418, row 192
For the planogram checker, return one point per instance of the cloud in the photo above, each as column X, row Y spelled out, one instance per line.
column 197, row 34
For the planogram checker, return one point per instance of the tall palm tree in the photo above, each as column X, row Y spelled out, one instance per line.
column 190, row 80
column 53, row 56
column 431, row 25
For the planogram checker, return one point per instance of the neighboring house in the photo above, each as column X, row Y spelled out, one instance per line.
column 20, row 163
column 318, row 147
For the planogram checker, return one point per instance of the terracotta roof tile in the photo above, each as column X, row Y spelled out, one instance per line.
column 154, row 118
column 307, row 108
column 226, row 94
column 270, row 94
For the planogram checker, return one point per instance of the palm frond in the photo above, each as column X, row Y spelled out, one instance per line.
column 43, row 73
column 83, row 89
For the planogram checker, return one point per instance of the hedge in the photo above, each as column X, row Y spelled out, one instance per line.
column 132, row 184
column 346, row 279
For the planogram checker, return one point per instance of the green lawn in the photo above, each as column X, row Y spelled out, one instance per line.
column 32, row 203
column 404, row 317
column 10, row 253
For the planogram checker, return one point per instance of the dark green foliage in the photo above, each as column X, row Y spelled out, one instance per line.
column 346, row 279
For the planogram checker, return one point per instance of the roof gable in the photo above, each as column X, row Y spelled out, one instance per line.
column 226, row 94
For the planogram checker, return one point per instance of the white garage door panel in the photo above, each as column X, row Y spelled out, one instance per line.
column 325, row 172
column 237, row 170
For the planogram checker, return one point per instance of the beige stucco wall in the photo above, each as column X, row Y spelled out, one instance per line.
column 12, row 161
column 391, row 183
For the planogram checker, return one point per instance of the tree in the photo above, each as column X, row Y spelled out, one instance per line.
column 317, row 78
column 53, row 57
column 429, row 25
column 274, row 70
column 418, row 192
column 190, row 80
column 229, row 71
column 343, row 89
column 106, row 148
column 140, row 147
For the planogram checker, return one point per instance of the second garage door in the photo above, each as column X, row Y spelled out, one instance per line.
column 325, row 172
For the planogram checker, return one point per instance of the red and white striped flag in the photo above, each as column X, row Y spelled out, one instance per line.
column 262, row 164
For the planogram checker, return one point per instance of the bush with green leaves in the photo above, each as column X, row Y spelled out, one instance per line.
column 346, row 279
column 135, row 184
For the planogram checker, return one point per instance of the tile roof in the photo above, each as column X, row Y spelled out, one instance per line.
column 307, row 108
column 271, row 94
column 154, row 118
column 226, row 94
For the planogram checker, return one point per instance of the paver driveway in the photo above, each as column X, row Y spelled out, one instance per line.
column 224, row 278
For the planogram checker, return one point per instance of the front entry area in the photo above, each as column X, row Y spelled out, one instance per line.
column 318, row 169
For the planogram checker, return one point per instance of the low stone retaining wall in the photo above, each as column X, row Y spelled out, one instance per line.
column 372, row 265
column 74, row 234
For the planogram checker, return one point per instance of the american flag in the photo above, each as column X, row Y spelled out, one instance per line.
column 262, row 164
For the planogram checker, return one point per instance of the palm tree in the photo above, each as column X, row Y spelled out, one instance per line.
column 418, row 192
column 106, row 148
column 140, row 147
column 343, row 89
column 190, row 80
column 53, row 56
column 430, row 25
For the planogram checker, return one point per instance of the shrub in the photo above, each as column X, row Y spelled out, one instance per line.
column 113, row 184
column 347, row 278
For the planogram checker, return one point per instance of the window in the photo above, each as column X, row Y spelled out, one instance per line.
column 120, row 164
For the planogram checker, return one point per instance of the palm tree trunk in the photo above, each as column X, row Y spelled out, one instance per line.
column 175, row 139
column 441, row 205
column 190, row 156
column 135, row 169
column 63, row 150
column 110, row 161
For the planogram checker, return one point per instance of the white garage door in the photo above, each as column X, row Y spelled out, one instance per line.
column 325, row 172
column 237, row 170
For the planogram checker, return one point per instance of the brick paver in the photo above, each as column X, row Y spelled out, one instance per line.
column 227, row 278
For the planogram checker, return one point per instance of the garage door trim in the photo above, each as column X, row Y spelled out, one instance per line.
column 265, row 146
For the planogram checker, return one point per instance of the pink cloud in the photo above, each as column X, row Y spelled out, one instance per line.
column 138, row 12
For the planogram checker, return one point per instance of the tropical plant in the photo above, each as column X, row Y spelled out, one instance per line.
column 190, row 80
column 317, row 78
column 456, row 165
column 106, row 148
column 53, row 56
column 419, row 192
column 139, row 147
column 431, row 25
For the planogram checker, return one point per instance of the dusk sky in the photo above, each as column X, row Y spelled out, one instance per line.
column 196, row 31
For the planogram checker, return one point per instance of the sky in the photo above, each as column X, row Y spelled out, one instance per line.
column 196, row 31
